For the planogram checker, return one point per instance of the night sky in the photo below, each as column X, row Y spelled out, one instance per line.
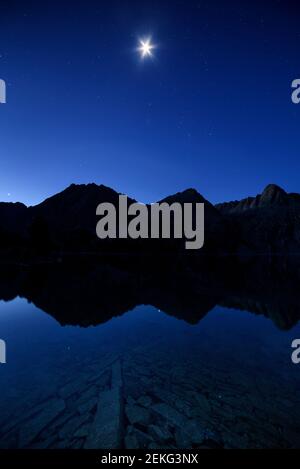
column 211, row 109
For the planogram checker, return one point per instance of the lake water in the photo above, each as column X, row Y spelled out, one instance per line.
column 147, row 380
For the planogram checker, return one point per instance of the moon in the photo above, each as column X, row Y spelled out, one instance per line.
column 146, row 48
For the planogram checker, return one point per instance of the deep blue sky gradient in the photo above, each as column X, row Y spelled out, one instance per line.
column 212, row 110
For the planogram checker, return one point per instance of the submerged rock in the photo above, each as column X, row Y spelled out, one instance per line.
column 182, row 439
column 106, row 430
column 88, row 406
column 31, row 429
column 71, row 426
column 83, row 431
column 170, row 414
column 131, row 441
column 144, row 401
column 144, row 440
column 160, row 434
column 137, row 414
column 71, row 388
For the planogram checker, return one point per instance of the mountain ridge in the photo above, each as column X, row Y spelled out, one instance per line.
column 188, row 194
column 266, row 223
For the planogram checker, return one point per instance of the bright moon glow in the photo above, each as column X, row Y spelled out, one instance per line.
column 146, row 48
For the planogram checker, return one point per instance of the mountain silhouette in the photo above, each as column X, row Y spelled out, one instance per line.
column 268, row 223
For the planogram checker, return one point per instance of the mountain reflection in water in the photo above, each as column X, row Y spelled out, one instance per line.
column 218, row 377
column 82, row 292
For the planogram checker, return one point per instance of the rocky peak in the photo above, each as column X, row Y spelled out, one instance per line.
column 273, row 195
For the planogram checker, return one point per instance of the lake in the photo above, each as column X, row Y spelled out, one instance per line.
column 147, row 379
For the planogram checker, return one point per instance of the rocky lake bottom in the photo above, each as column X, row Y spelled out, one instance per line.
column 147, row 380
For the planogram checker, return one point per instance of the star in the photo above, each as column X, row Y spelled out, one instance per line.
column 146, row 48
